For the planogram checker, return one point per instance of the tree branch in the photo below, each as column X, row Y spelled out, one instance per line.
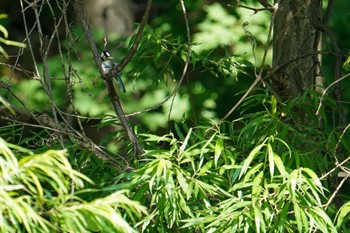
column 258, row 78
column 114, row 98
column 44, row 121
column 133, row 48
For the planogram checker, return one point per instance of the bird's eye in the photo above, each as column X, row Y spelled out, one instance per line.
column 105, row 55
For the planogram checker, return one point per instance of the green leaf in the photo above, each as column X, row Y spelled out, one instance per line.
column 270, row 154
column 321, row 220
column 205, row 168
column 314, row 177
column 257, row 188
column 201, row 157
column 184, row 144
column 342, row 215
column 279, row 164
column 183, row 184
column 292, row 180
column 219, row 147
column 250, row 158
column 4, row 31
column 252, row 171
column 12, row 43
column 298, row 217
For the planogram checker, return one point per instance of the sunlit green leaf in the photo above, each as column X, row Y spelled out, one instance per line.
column 279, row 164
column 250, row 158
column 205, row 168
column 207, row 143
column 270, row 154
column 183, row 184
column 219, row 147
column 342, row 215
column 184, row 144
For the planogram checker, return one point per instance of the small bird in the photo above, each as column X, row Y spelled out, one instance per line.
column 108, row 65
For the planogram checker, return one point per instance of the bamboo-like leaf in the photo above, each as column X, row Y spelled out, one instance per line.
column 292, row 179
column 240, row 186
column 219, row 147
column 298, row 217
column 201, row 157
column 314, row 178
column 281, row 218
column 178, row 131
column 30, row 200
column 279, row 164
column 205, row 168
column 252, row 171
column 257, row 188
column 304, row 219
column 4, row 31
column 342, row 215
column 250, row 158
column 183, row 184
column 184, row 144
column 270, row 154
column 154, row 171
column 321, row 220
column 259, row 220
column 205, row 187
column 12, row 43
column 154, row 138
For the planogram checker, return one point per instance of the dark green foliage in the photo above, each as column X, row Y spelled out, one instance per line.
column 259, row 177
column 272, row 166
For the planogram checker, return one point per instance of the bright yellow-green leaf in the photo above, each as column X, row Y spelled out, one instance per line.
column 250, row 158
column 184, row 144
column 279, row 164
column 271, row 160
column 342, row 214
column 4, row 31
column 219, row 147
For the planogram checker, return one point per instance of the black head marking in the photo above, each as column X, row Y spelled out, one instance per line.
column 105, row 55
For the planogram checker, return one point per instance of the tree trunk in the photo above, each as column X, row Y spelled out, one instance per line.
column 297, row 38
column 116, row 16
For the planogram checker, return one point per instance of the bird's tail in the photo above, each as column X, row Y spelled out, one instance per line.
column 119, row 78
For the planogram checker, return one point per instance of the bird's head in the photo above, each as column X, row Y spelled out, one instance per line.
column 106, row 56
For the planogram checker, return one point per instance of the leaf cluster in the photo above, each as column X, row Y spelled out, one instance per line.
column 40, row 193
column 260, row 178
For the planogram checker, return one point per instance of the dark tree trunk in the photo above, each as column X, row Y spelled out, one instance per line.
column 297, row 39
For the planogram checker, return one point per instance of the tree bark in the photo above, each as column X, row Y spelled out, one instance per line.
column 296, row 46
column 116, row 16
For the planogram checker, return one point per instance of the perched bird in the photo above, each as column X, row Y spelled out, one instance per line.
column 108, row 65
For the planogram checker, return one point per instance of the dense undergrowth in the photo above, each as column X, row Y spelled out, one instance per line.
column 261, row 172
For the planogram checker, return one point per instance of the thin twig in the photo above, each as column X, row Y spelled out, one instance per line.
column 47, row 123
column 325, row 91
column 336, row 191
column 337, row 164
column 255, row 10
column 258, row 78
column 133, row 48
column 188, row 54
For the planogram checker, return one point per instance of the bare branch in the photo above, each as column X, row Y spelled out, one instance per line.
column 266, row 7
